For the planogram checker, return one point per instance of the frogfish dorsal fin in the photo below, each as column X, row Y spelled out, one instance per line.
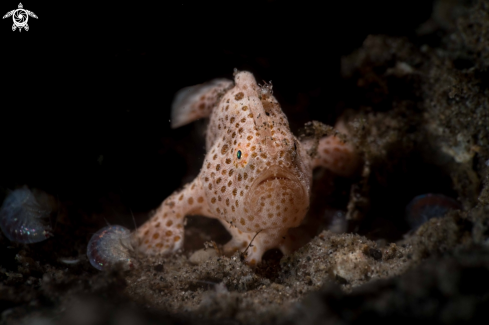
column 195, row 102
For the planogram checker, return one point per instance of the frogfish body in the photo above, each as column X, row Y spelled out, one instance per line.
column 256, row 176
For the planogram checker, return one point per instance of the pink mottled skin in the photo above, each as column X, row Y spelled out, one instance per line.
column 256, row 177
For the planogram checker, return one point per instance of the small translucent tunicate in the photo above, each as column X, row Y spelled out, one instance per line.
column 427, row 206
column 336, row 220
column 24, row 216
column 110, row 245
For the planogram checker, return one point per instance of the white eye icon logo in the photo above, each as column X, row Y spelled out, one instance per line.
column 20, row 17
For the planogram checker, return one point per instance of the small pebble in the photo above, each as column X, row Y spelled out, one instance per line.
column 202, row 255
column 69, row 261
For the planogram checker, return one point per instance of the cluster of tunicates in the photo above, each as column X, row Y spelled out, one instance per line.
column 25, row 218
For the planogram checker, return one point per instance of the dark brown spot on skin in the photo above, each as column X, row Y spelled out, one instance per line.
column 158, row 225
column 169, row 223
column 244, row 108
column 218, row 167
column 201, row 106
column 223, row 189
column 232, row 119
column 242, row 221
column 235, row 191
column 239, row 177
column 200, row 199
column 224, row 149
column 156, row 235
column 228, row 161
column 190, row 201
column 218, row 180
column 249, row 137
column 230, row 183
column 239, row 96
column 231, row 172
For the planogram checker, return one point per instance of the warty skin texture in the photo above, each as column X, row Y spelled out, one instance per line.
column 256, row 176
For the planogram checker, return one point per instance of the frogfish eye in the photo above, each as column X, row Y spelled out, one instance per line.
column 239, row 154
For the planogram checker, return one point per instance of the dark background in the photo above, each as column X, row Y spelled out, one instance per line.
column 86, row 92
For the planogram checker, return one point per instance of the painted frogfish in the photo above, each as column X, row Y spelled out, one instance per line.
column 256, row 176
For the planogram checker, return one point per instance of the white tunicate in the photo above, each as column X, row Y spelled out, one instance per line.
column 336, row 220
column 108, row 246
column 24, row 216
